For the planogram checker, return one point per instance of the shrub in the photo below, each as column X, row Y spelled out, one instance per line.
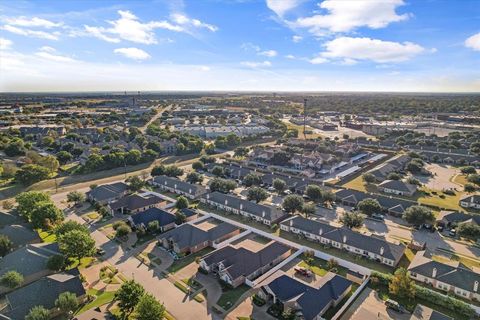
column 56, row 262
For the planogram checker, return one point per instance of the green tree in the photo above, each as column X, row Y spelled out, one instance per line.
column 257, row 194
column 173, row 171
column 252, row 179
column 46, row 215
column 31, row 173
column 469, row 230
column 38, row 313
column 194, row 177
column 415, row 166
column 352, row 220
column 469, row 187
column 64, row 157
column 394, row 176
column 16, row 147
column 279, row 185
column 135, row 183
column 418, row 215
column 76, row 244
column 180, row 218
column 56, row 262
column 292, row 203
column 218, row 171
column 314, row 192
column 369, row 206
column 368, row 178
column 474, row 178
column 28, row 201
column 5, row 245
column 154, row 226
column 67, row 302
column 11, row 279
column 222, row 185
column 468, row 170
column 308, row 209
column 123, row 231
column 69, row 226
column 198, row 166
column 128, row 297
column 182, row 203
column 158, row 170
column 328, row 196
column 76, row 197
column 401, row 285
column 149, row 308
column 241, row 152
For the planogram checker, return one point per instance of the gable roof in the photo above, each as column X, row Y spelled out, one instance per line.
column 458, row 217
column 20, row 234
column 387, row 203
column 474, row 198
column 43, row 292
column 153, row 214
column 398, row 185
column 425, row 313
column 107, row 191
column 194, row 189
column 135, row 201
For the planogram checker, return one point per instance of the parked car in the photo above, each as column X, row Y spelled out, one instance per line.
column 452, row 233
column 304, row 272
column 440, row 228
column 271, row 189
column 378, row 216
column 394, row 305
column 100, row 252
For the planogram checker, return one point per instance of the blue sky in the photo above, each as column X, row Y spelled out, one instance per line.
column 279, row 45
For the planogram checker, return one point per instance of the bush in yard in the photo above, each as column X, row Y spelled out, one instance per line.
column 368, row 178
column 401, row 285
column 5, row 245
column 154, row 226
column 369, row 206
column 469, row 187
column 67, row 302
column 38, row 313
column 56, row 262
column 11, row 279
column 292, row 203
column 118, row 224
column 469, row 230
column 123, row 231
column 418, row 215
column 182, row 203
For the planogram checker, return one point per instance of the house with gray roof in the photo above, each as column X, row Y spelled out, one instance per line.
column 395, row 164
column 141, row 220
column 175, row 185
column 366, row 246
column 30, row 261
column 135, row 203
column 43, row 292
column 308, row 302
column 470, row 201
column 452, row 277
column 107, row 193
column 20, row 234
column 236, row 264
column 397, row 187
column 190, row 238
column 454, row 218
column 259, row 212
column 422, row 312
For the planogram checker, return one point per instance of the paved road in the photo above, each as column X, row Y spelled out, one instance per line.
column 155, row 117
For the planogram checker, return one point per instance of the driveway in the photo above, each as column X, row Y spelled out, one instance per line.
column 248, row 309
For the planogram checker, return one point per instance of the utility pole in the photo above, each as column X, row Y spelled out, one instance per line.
column 305, row 119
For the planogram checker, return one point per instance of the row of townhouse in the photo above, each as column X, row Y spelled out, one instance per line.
column 470, row 201
column 342, row 238
column 261, row 213
column 177, row 186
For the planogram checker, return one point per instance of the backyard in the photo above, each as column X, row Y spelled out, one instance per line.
column 185, row 261
column 231, row 295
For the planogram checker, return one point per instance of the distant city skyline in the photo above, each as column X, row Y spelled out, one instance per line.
column 240, row 45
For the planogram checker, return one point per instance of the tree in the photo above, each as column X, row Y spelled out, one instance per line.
column 135, row 183
column 314, row 193
column 16, row 147
column 46, row 215
column 149, row 308
column 401, row 285
column 11, row 279
column 418, row 215
column 158, row 170
column 182, row 203
column 469, row 187
column 474, row 178
column 5, row 245
column 28, row 201
column 351, row 220
column 64, row 157
column 328, row 196
column 468, row 170
column 241, row 152
column 368, row 177
column 218, row 171
column 198, row 166
column 194, row 177
column 222, row 185
column 76, row 244
column 123, row 231
column 252, row 179
column 469, row 230
column 128, row 296
column 69, row 226
column 180, row 218
column 207, row 159
column 279, row 185
column 394, row 176
column 154, row 226
column 38, row 313
column 369, row 206
column 173, row 171
column 257, row 194
column 308, row 209
column 414, row 181
column 31, row 173
column 415, row 166
column 292, row 203
column 76, row 197
column 56, row 262
column 332, row 264
column 67, row 302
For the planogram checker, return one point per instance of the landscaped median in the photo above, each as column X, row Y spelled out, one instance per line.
column 199, row 297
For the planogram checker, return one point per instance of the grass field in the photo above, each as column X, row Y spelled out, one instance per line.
column 230, row 296
column 101, row 298
column 47, row 236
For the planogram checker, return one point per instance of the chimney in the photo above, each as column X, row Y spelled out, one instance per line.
column 226, row 201
column 190, row 190
column 241, row 206
column 175, row 186
column 263, row 214
column 344, row 239
column 165, row 183
column 320, row 231
column 208, row 196
column 382, row 251
column 475, row 286
column 434, row 272
column 291, row 222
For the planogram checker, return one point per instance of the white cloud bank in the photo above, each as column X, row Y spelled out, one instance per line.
column 5, row 44
column 280, row 7
column 473, row 42
column 132, row 53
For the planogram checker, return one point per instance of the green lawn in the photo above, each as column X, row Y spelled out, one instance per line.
column 101, row 299
column 82, row 263
column 319, row 271
column 319, row 266
column 230, row 296
column 183, row 262
column 47, row 236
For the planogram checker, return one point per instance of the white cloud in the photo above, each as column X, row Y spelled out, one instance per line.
column 47, row 49
column 5, row 44
column 348, row 15
column 129, row 27
column 297, row 39
column 318, row 60
column 280, row 7
column 32, row 22
column 255, row 64
column 473, row 42
column 353, row 49
column 290, row 56
column 31, row 33
column 133, row 53
column 268, row 53
column 49, row 54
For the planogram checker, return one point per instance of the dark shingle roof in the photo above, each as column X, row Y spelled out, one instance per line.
column 178, row 184
column 153, row 214
column 398, row 185
column 387, row 203
column 107, row 191
column 135, row 201
column 20, row 234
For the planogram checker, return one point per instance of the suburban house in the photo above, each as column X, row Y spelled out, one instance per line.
column 20, row 234
column 342, row 238
column 425, row 313
column 30, row 261
column 308, row 302
column 108, row 192
column 135, row 203
column 394, row 206
column 261, row 213
column 454, row 218
column 178, row 186
column 190, row 214
column 397, row 187
column 141, row 220
column 395, row 164
column 470, row 201
column 233, row 265
column 189, row 238
column 453, row 277
column 43, row 292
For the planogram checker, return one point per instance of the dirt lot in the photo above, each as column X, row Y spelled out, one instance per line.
column 207, row 224
column 441, row 179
